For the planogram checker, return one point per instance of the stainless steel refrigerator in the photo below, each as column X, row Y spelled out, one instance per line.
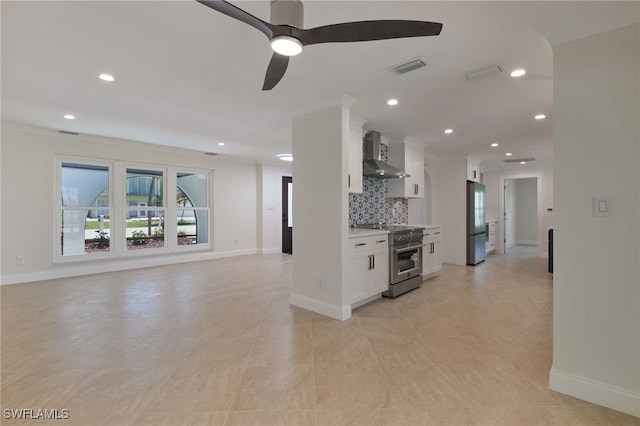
column 476, row 229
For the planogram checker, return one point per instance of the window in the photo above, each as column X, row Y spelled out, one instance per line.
column 192, row 208
column 84, row 229
column 145, row 221
column 118, row 209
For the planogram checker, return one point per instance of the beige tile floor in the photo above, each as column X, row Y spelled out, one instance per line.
column 216, row 343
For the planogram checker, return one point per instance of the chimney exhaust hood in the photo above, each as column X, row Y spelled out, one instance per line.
column 372, row 164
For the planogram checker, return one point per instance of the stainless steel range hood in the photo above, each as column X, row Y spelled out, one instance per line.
column 372, row 164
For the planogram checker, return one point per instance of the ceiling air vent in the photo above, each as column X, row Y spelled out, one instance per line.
column 483, row 72
column 66, row 132
column 410, row 65
column 520, row 160
column 211, row 153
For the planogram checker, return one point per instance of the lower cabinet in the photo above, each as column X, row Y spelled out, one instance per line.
column 431, row 252
column 368, row 270
column 490, row 245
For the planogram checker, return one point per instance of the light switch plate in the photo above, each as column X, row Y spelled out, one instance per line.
column 602, row 206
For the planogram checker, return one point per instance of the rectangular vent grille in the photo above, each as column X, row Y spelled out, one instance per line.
column 483, row 72
column 519, row 160
column 410, row 65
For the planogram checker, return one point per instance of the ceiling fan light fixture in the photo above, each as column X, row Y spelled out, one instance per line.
column 287, row 46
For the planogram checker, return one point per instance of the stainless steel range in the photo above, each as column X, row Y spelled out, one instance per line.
column 405, row 257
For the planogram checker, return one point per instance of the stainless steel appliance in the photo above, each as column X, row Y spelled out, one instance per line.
column 372, row 164
column 405, row 257
column 476, row 228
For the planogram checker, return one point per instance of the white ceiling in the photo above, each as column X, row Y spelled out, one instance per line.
column 188, row 76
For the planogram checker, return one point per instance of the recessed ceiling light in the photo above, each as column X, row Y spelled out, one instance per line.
column 495, row 144
column 287, row 46
column 220, row 143
column 518, row 73
column 285, row 157
column 106, row 77
column 508, row 154
column 392, row 102
column 540, row 117
column 70, row 116
column 523, row 162
column 448, row 131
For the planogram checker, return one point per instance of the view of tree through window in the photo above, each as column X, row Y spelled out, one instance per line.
column 111, row 215
column 145, row 209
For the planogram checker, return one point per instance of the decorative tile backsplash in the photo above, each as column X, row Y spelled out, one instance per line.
column 373, row 205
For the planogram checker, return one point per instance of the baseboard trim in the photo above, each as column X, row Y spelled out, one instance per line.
column 526, row 242
column 598, row 393
column 318, row 306
column 98, row 267
column 272, row 250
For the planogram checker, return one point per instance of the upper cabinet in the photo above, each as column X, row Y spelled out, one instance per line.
column 354, row 179
column 473, row 171
column 409, row 157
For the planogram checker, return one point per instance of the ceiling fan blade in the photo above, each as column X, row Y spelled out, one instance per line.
column 239, row 14
column 366, row 31
column 275, row 71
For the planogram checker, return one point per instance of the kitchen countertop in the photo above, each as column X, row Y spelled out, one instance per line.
column 364, row 232
column 427, row 226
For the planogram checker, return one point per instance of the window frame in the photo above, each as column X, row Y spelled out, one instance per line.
column 174, row 213
column 126, row 208
column 59, row 256
column 118, row 209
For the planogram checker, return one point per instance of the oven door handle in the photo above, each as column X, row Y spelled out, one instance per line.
column 402, row 250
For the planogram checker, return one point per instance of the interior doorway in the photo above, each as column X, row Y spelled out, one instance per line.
column 287, row 214
column 520, row 215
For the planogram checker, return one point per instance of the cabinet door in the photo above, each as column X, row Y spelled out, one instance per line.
column 378, row 279
column 408, row 157
column 358, row 275
column 417, row 171
column 426, row 255
column 435, row 259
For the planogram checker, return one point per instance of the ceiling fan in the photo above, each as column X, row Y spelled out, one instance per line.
column 288, row 38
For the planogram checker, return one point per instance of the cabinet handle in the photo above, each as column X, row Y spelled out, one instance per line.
column 373, row 258
column 381, row 241
column 361, row 244
column 433, row 248
column 415, row 189
column 349, row 180
column 437, row 233
column 370, row 262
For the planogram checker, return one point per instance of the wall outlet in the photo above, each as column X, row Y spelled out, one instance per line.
column 319, row 283
column 20, row 260
column 235, row 242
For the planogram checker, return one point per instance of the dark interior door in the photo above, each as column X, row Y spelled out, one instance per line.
column 287, row 215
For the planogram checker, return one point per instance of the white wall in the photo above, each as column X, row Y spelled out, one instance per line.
column 28, row 200
column 596, row 300
column 510, row 212
column 449, row 200
column 320, row 205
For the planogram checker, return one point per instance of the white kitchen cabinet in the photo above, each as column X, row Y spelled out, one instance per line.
column 473, row 170
column 431, row 252
column 490, row 245
column 368, row 270
column 354, row 179
column 407, row 156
